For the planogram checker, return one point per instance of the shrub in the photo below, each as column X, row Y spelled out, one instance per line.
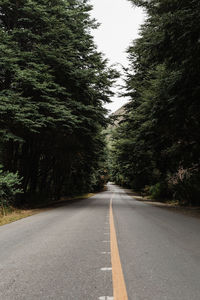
column 187, row 189
column 159, row 190
column 9, row 187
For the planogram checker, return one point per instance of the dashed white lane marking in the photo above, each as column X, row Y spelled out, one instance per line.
column 106, row 269
column 106, row 298
column 110, row 268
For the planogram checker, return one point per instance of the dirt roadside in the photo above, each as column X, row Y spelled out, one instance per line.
column 170, row 205
column 14, row 214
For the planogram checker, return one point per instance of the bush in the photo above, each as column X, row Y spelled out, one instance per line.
column 9, row 187
column 159, row 191
column 187, row 189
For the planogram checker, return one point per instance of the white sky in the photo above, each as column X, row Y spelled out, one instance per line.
column 120, row 23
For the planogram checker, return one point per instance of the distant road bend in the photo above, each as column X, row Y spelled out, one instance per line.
column 107, row 247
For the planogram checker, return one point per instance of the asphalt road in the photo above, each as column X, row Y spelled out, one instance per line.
column 64, row 253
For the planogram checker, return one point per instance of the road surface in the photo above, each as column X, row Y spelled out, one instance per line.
column 100, row 249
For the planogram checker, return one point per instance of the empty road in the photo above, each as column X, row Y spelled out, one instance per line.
column 109, row 246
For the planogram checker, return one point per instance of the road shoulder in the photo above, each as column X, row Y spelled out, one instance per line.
column 175, row 207
column 15, row 214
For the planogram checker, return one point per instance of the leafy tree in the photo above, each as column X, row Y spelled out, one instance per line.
column 53, row 83
column 9, row 187
column 161, row 134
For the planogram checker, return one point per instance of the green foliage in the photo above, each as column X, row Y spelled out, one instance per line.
column 187, row 189
column 53, row 84
column 161, row 131
column 159, row 191
column 9, row 187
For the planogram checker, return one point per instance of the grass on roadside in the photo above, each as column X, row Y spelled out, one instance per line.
column 85, row 196
column 13, row 214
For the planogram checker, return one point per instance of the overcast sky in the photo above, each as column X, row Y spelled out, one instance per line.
column 120, row 23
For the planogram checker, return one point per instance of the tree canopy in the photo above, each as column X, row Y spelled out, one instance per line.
column 53, row 83
column 159, row 140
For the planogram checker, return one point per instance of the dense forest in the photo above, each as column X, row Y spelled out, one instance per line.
column 53, row 84
column 156, row 148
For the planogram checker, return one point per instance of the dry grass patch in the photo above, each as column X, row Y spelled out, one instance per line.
column 17, row 214
column 85, row 196
column 13, row 214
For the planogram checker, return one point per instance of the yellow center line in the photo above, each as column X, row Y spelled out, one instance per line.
column 119, row 286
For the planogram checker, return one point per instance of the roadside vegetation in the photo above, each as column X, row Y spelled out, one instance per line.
column 9, row 213
column 12, row 214
column 53, row 84
column 155, row 148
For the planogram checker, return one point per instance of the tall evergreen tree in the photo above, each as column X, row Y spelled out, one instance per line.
column 53, row 83
column 163, row 84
